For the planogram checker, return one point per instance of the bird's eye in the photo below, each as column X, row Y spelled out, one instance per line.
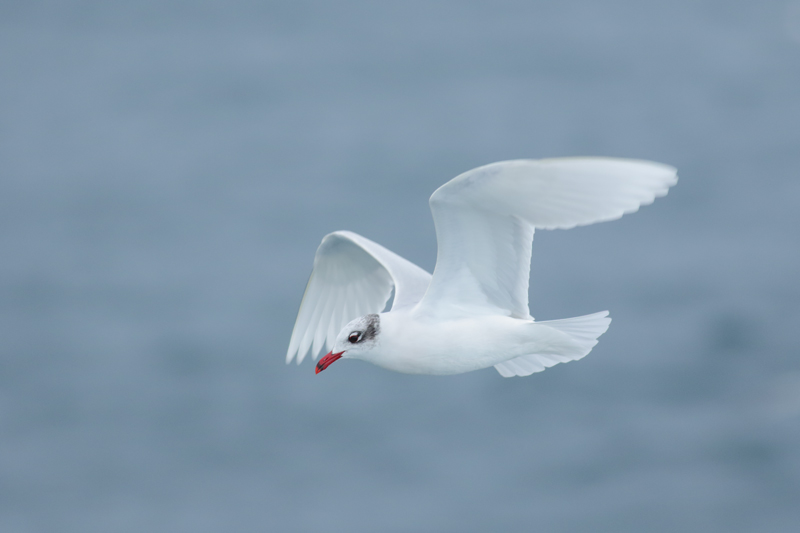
column 353, row 337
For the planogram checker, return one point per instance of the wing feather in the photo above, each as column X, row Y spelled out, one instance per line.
column 334, row 326
column 321, row 332
column 352, row 276
column 485, row 219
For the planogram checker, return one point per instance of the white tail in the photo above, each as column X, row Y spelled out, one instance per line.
column 582, row 331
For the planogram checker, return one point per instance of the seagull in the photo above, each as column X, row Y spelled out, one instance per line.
column 472, row 313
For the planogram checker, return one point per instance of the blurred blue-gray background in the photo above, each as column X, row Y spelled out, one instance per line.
column 167, row 169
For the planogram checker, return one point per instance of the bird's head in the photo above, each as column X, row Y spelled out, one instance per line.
column 356, row 340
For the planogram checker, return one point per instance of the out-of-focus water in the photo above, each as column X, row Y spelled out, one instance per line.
column 167, row 170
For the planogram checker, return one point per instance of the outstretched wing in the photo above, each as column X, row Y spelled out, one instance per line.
column 485, row 219
column 352, row 276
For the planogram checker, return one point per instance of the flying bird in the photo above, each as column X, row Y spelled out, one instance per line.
column 472, row 313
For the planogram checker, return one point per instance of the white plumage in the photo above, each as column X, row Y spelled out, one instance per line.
column 473, row 312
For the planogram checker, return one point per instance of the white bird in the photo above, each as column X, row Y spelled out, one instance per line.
column 473, row 312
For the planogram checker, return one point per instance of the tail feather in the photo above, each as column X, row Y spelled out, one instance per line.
column 582, row 331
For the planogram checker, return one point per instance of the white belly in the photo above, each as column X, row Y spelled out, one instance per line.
column 455, row 346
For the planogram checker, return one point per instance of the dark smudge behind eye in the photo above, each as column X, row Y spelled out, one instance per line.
column 373, row 328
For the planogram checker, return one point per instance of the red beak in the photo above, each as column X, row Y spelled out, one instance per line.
column 327, row 360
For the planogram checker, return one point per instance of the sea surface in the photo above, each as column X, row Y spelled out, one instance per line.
column 167, row 169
